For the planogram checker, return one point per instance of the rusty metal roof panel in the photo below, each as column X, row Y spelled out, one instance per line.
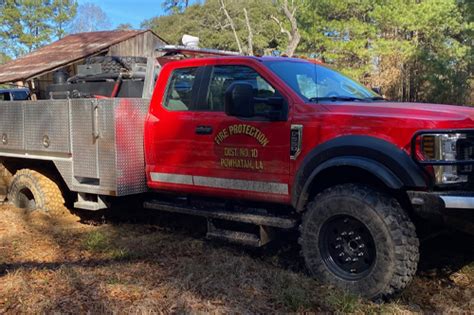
column 62, row 52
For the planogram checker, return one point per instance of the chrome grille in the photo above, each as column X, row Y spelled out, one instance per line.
column 465, row 151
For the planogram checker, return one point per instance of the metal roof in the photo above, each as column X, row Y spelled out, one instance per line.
column 62, row 52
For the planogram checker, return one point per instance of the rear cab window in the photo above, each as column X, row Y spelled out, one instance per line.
column 179, row 91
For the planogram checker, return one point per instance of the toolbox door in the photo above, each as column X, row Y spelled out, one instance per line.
column 85, row 138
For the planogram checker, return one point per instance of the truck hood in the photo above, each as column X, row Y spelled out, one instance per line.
column 428, row 115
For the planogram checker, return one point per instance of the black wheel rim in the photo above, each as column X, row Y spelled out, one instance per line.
column 25, row 200
column 347, row 247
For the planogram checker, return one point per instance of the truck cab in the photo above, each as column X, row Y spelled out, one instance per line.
column 356, row 170
column 197, row 145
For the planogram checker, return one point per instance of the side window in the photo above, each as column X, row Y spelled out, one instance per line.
column 20, row 95
column 4, row 96
column 223, row 76
column 179, row 91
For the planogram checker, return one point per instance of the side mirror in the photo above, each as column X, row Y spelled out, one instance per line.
column 377, row 89
column 239, row 100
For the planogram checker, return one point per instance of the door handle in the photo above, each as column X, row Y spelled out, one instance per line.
column 203, row 130
column 95, row 120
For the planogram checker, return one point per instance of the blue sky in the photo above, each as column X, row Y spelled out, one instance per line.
column 129, row 11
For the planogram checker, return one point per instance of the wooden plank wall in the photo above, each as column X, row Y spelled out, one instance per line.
column 142, row 45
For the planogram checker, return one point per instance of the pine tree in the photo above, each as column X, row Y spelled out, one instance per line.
column 29, row 24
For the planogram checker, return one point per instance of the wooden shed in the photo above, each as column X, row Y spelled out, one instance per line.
column 35, row 69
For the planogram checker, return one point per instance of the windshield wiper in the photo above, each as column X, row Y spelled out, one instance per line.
column 335, row 99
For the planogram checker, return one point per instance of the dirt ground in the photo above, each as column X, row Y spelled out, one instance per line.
column 163, row 264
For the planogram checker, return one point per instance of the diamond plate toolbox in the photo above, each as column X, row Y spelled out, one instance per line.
column 96, row 144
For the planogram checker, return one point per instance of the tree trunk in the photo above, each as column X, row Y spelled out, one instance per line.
column 232, row 26
column 294, row 35
column 250, row 37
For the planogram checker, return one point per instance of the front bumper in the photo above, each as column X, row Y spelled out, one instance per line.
column 453, row 208
column 458, row 202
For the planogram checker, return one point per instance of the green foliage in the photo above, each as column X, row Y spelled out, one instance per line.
column 208, row 22
column 292, row 295
column 415, row 50
column 344, row 302
column 100, row 242
column 338, row 33
column 96, row 241
column 175, row 6
column 26, row 25
column 63, row 13
column 4, row 58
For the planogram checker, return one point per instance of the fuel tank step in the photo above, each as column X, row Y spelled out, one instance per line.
column 260, row 219
column 264, row 235
column 236, row 237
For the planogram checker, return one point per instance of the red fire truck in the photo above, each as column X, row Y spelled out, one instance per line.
column 258, row 145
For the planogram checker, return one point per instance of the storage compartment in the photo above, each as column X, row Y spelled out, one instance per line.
column 96, row 144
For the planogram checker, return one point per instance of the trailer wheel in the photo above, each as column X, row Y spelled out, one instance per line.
column 32, row 190
column 360, row 240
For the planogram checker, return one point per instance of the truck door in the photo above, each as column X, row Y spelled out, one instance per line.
column 234, row 156
column 169, row 133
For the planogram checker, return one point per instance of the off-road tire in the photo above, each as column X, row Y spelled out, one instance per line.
column 45, row 193
column 393, row 234
column 115, row 64
column 5, row 180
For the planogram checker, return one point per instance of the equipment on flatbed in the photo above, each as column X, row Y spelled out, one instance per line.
column 102, row 76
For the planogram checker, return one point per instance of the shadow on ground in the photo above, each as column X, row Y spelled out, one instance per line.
column 130, row 259
column 447, row 252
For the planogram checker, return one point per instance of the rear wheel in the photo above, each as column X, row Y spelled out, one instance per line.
column 32, row 190
column 5, row 180
column 360, row 240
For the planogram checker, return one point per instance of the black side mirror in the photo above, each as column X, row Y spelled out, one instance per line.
column 239, row 100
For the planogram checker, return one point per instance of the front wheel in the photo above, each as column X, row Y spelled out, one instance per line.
column 360, row 240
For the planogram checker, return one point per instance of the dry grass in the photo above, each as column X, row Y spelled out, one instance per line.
column 50, row 264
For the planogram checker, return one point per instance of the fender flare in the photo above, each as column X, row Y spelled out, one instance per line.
column 393, row 166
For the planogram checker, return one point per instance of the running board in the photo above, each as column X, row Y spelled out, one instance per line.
column 244, row 217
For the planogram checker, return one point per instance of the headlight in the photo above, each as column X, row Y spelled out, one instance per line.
column 443, row 148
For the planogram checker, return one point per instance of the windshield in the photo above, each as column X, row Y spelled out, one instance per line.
column 315, row 82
